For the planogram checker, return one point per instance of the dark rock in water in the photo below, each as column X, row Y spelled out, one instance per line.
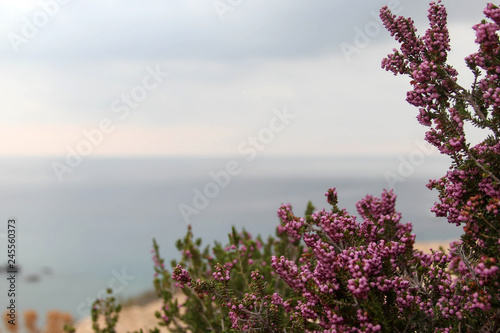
column 32, row 278
column 5, row 268
column 47, row 270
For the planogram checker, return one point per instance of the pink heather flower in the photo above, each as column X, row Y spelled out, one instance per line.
column 290, row 224
column 221, row 273
column 180, row 275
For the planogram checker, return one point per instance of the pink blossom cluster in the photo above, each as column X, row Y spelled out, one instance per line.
column 182, row 277
column 487, row 59
column 221, row 273
column 354, row 262
column 470, row 196
column 423, row 58
column 292, row 228
column 370, row 268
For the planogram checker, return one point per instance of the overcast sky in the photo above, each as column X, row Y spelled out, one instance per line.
column 100, row 67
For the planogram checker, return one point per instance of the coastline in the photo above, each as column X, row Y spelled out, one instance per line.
column 426, row 246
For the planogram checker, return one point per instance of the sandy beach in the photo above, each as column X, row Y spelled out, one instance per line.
column 434, row 245
column 131, row 319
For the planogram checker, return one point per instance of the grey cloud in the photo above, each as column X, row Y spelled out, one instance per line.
column 188, row 30
column 253, row 30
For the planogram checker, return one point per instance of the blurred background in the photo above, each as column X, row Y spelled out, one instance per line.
column 125, row 120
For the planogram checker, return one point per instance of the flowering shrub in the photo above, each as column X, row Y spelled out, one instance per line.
column 365, row 275
column 228, row 288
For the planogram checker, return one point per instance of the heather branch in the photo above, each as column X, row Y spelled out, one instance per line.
column 483, row 168
column 468, row 97
column 466, row 260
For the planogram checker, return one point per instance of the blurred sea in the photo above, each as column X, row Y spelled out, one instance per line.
column 95, row 228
